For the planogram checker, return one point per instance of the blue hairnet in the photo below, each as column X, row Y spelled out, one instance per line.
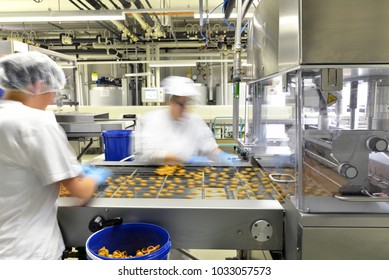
column 31, row 72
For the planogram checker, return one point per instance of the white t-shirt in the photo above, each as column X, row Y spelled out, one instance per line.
column 34, row 155
column 160, row 134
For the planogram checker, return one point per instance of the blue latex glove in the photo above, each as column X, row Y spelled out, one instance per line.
column 86, row 169
column 98, row 174
column 198, row 159
column 226, row 157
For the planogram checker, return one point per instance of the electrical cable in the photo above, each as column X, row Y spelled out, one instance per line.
column 244, row 26
column 233, row 28
column 205, row 21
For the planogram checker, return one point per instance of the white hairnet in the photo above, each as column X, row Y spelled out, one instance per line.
column 31, row 72
column 180, row 86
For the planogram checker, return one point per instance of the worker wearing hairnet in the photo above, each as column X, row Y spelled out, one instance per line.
column 35, row 159
column 174, row 135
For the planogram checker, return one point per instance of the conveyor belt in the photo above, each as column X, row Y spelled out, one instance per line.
column 189, row 182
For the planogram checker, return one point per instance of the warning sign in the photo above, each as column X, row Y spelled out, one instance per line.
column 331, row 98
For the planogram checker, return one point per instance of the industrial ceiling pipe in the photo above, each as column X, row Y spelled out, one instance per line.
column 75, row 4
column 103, row 24
column 237, row 72
column 181, row 36
column 166, row 45
column 114, row 4
column 147, row 18
column 245, row 7
column 154, row 14
column 94, row 4
column 125, row 3
column 98, row 5
column 145, row 24
column 228, row 6
column 151, row 28
column 83, row 4
column 75, row 41
column 93, row 51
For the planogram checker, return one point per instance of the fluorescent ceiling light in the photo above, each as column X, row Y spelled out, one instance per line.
column 171, row 63
column 215, row 60
column 220, row 15
column 83, row 15
column 164, row 11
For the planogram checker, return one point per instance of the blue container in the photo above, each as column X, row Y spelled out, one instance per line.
column 117, row 144
column 130, row 237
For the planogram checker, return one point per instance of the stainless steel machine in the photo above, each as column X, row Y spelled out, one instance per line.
column 202, row 207
column 318, row 105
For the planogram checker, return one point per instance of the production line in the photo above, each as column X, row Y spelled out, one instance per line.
column 314, row 147
column 190, row 182
column 201, row 206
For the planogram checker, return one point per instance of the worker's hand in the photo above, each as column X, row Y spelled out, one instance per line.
column 173, row 158
column 226, row 157
column 198, row 159
column 98, row 174
column 86, row 168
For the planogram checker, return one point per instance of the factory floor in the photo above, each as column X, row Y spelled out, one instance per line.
column 208, row 254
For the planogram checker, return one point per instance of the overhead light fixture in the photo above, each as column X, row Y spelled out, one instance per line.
column 164, row 11
column 173, row 63
column 221, row 16
column 83, row 15
column 215, row 61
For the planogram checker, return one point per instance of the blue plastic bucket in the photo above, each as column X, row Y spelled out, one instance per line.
column 130, row 237
column 117, row 144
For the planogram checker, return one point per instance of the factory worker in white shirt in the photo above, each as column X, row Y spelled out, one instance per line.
column 35, row 158
column 175, row 135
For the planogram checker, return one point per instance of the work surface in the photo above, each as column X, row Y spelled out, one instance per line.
column 189, row 182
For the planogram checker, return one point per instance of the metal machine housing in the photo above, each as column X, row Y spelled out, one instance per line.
column 324, row 90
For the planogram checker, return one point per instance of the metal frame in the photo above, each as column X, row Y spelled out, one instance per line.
column 192, row 224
